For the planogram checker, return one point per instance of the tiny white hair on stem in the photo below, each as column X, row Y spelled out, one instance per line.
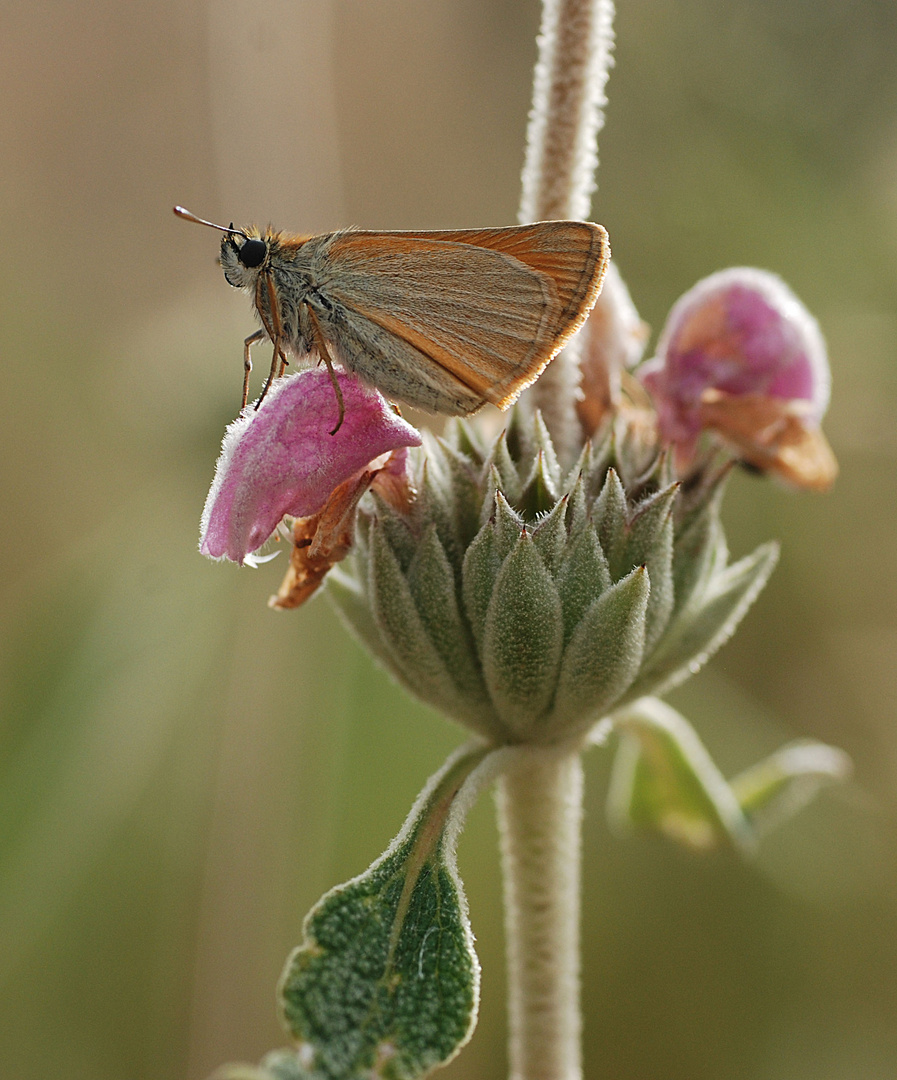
column 575, row 43
column 575, row 55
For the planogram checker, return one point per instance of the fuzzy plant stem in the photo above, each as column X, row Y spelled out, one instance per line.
column 540, row 797
column 540, row 811
column 561, row 157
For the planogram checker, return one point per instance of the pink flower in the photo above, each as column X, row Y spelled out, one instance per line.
column 282, row 460
column 742, row 358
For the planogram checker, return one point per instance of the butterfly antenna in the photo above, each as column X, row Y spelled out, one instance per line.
column 187, row 216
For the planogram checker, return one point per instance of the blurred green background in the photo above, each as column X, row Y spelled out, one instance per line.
column 182, row 771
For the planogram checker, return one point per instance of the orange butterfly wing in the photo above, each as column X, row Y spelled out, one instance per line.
column 490, row 307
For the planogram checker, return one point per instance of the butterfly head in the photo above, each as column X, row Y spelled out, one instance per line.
column 244, row 254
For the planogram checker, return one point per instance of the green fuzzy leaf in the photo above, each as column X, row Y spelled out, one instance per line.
column 432, row 584
column 698, row 634
column 386, row 982
column 784, row 783
column 604, row 653
column 522, row 638
column 665, row 781
column 583, row 576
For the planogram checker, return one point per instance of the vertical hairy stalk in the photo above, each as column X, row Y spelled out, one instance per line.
column 540, row 811
column 561, row 156
column 540, row 800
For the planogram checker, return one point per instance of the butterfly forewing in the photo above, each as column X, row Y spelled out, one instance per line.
column 574, row 254
column 490, row 312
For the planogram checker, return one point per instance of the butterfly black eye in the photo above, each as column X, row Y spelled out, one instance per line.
column 253, row 253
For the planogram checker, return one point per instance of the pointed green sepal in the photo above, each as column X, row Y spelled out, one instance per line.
column 578, row 514
column 604, row 653
column 544, row 447
column 482, row 562
column 386, row 982
column 649, row 543
column 466, row 495
column 348, row 596
column 395, row 529
column 665, row 781
column 646, row 526
column 437, row 496
column 500, row 460
column 583, row 576
column 508, row 525
column 414, row 656
column 699, row 551
column 522, row 638
column 433, row 589
column 710, row 623
column 540, row 491
column 610, row 514
column 491, row 487
column 464, row 436
column 550, row 535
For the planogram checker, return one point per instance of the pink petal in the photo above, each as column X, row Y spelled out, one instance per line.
column 282, row 458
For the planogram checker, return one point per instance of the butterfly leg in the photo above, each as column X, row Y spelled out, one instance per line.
column 321, row 346
column 253, row 339
column 275, row 332
column 278, row 365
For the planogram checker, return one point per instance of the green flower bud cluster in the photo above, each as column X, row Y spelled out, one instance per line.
column 528, row 603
